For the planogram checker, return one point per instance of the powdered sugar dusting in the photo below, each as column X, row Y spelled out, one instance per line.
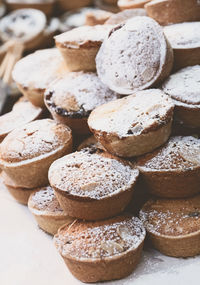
column 23, row 24
column 183, row 35
column 184, row 85
column 39, row 69
column 90, row 174
column 179, row 153
column 81, row 35
column 171, row 217
column 33, row 139
column 22, row 113
column 100, row 240
column 45, row 200
column 79, row 90
column 133, row 55
column 133, row 114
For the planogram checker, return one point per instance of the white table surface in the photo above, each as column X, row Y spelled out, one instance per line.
column 28, row 256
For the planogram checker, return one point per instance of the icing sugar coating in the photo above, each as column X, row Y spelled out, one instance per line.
column 23, row 24
column 183, row 35
column 133, row 55
column 79, row 90
column 34, row 139
column 172, row 217
column 83, row 240
column 134, row 114
column 90, row 174
column 184, row 85
column 181, row 153
column 83, row 35
column 45, row 200
column 38, row 69
column 22, row 113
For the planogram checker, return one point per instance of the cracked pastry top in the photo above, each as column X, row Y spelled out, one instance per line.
column 133, row 115
column 35, row 139
column 102, row 239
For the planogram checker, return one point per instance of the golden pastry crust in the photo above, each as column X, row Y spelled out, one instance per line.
column 184, row 39
column 27, row 152
column 80, row 46
column 71, row 98
column 44, row 205
column 35, row 72
column 123, row 16
column 131, row 4
column 173, row 225
column 92, row 184
column 135, row 56
column 104, row 250
column 172, row 171
column 23, row 112
column 167, row 12
column 184, row 88
column 127, row 127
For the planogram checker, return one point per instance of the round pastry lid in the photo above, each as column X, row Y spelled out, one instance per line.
column 23, row 24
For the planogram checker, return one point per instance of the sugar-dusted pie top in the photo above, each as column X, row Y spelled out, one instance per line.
column 135, row 114
column 102, row 239
column 45, row 200
column 91, row 173
column 22, row 24
column 78, row 92
column 171, row 217
column 184, row 85
column 133, row 55
column 23, row 112
column 34, row 140
column 183, row 35
column 83, row 36
column 179, row 153
column 38, row 69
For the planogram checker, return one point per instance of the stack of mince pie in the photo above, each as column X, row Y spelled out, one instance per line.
column 127, row 93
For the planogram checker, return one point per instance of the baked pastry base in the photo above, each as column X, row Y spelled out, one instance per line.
column 80, row 58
